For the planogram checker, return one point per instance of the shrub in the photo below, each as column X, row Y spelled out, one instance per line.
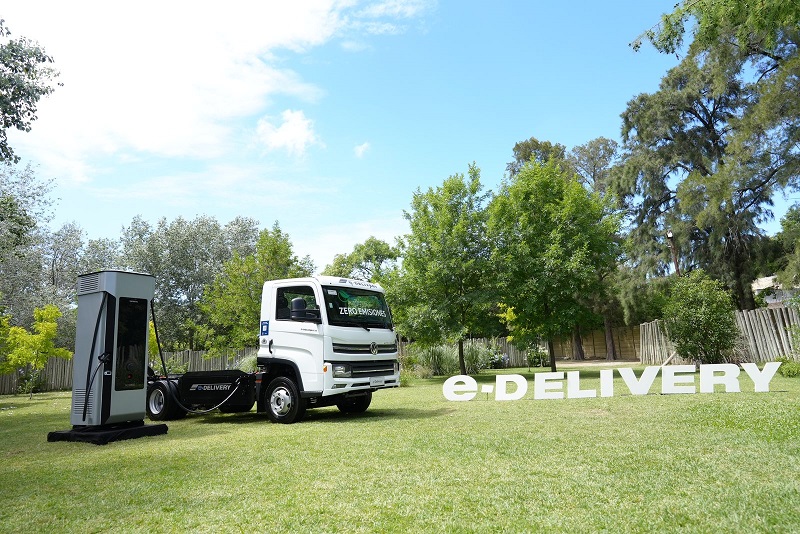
column 699, row 319
column 249, row 364
column 174, row 366
column 30, row 381
column 789, row 368
column 478, row 356
column 536, row 357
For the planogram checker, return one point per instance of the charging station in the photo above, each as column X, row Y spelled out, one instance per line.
column 109, row 380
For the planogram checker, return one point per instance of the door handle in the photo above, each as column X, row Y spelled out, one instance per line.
column 269, row 347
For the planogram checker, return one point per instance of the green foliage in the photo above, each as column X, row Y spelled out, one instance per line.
column 30, row 351
column 536, row 357
column 789, row 368
column 370, row 261
column 175, row 366
column 30, row 381
column 185, row 256
column 533, row 150
column 699, row 319
column 249, row 364
column 424, row 361
column 677, row 175
column 439, row 360
column 25, row 77
column 552, row 238
column 749, row 105
column 232, row 303
column 718, row 19
column 444, row 291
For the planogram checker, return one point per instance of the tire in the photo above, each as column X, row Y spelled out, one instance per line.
column 357, row 404
column 161, row 402
column 283, row 402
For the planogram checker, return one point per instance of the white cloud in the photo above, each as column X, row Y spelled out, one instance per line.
column 172, row 79
column 361, row 149
column 295, row 133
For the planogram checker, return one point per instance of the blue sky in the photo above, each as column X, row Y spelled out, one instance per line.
column 324, row 116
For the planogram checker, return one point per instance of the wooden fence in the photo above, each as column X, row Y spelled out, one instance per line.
column 764, row 335
column 58, row 372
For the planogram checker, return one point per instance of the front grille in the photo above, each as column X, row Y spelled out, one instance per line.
column 371, row 368
column 366, row 348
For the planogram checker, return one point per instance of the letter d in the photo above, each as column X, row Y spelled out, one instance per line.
column 501, row 383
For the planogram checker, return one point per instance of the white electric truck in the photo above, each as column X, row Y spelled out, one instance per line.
column 323, row 341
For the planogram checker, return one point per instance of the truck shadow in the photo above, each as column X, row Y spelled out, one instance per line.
column 331, row 415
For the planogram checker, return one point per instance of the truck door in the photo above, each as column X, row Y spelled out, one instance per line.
column 299, row 341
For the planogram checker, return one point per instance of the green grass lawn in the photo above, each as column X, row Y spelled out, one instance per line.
column 418, row 463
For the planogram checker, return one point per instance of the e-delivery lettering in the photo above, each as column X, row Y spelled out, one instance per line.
column 674, row 379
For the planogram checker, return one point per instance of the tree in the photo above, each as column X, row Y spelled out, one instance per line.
column 757, row 44
column 534, row 150
column 34, row 349
column 185, row 257
column 444, row 289
column 699, row 319
column 22, row 234
column 369, row 261
column 747, row 24
column 593, row 163
column 551, row 238
column 676, row 176
column 231, row 304
column 25, row 77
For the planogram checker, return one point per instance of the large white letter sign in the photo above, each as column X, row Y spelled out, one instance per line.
column 455, row 385
column 728, row 377
column 642, row 385
column 501, row 383
column 761, row 378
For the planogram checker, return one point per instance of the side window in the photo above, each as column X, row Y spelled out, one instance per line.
column 283, row 302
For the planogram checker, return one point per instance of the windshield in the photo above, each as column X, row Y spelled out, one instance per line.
column 356, row 307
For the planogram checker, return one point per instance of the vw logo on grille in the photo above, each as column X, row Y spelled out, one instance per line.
column 373, row 348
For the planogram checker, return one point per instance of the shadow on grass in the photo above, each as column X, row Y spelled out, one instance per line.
column 322, row 414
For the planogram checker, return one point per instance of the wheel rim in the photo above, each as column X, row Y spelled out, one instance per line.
column 280, row 401
column 156, row 401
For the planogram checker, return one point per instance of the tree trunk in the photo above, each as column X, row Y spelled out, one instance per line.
column 461, row 363
column 611, row 349
column 552, row 353
column 577, row 344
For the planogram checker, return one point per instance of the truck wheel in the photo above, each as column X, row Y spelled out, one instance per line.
column 283, row 401
column 357, row 404
column 161, row 404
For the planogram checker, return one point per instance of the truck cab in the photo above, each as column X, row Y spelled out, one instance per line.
column 323, row 341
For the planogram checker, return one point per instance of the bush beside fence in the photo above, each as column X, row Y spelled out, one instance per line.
column 764, row 336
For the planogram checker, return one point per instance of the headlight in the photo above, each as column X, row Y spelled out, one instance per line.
column 341, row 370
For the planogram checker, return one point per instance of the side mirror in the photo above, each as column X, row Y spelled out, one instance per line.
column 299, row 312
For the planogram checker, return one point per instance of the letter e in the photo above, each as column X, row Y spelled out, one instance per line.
column 669, row 380
column 455, row 385
column 541, row 389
